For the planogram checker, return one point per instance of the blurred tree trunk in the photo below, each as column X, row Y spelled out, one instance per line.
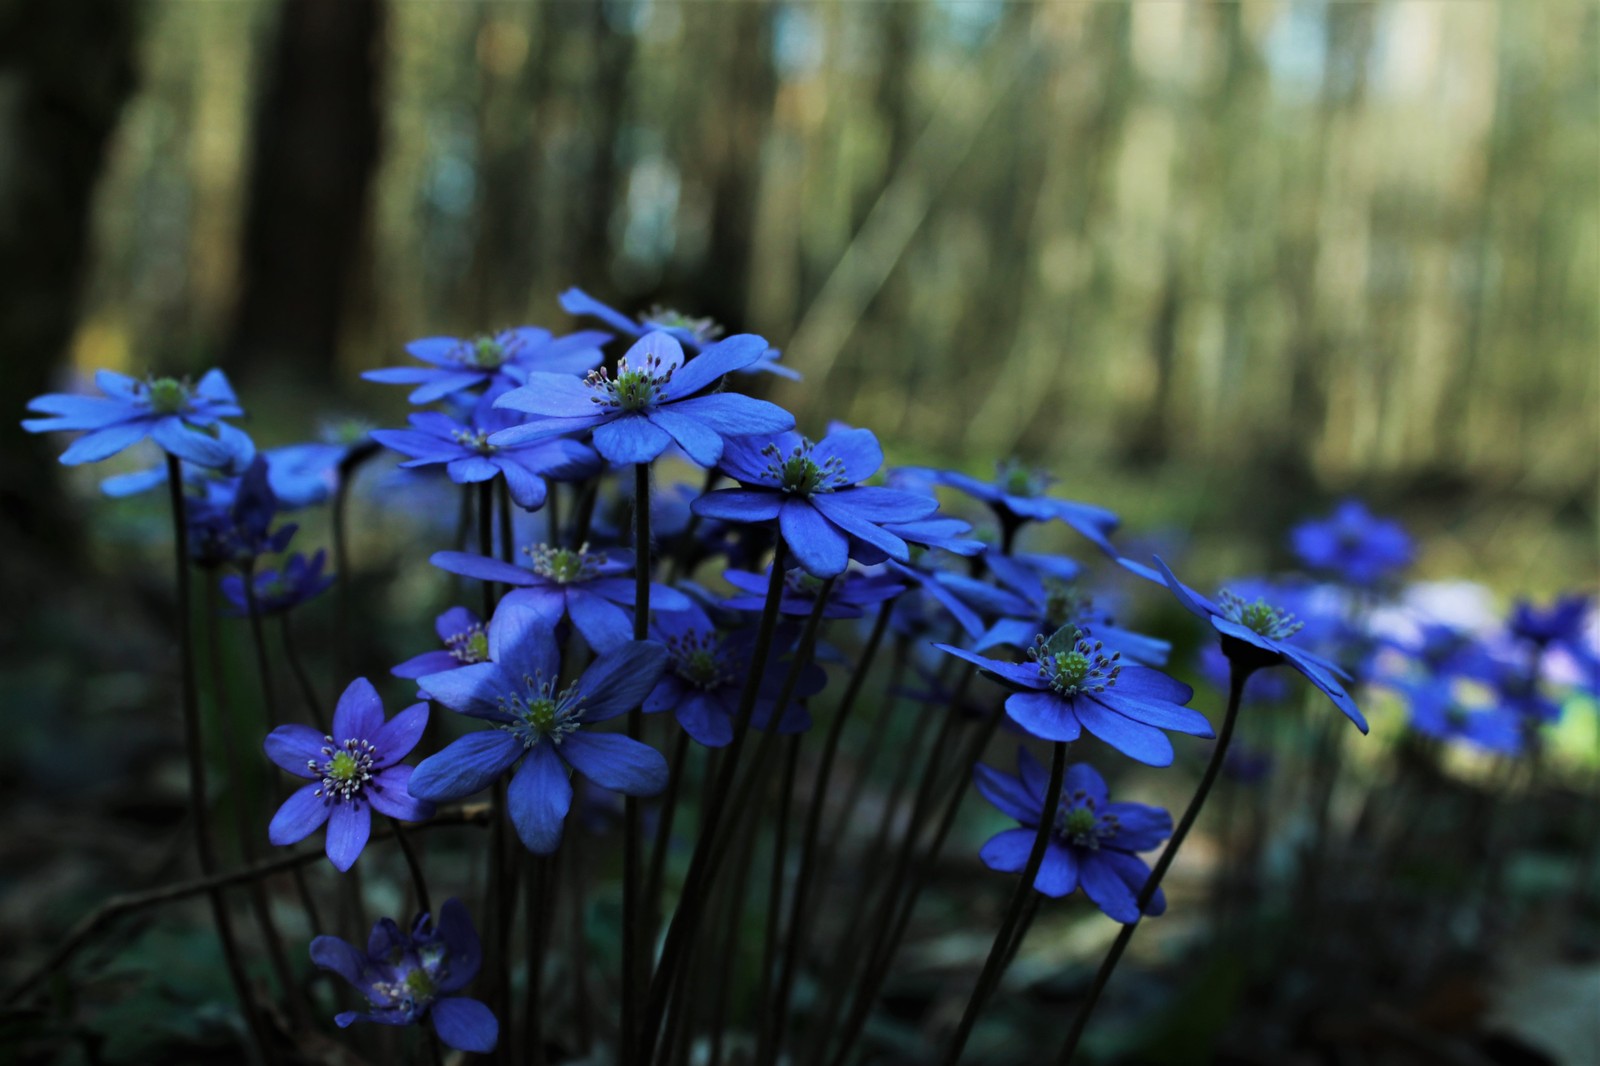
column 65, row 72
column 316, row 147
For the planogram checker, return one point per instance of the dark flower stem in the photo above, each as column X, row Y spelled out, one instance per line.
column 633, row 976
column 348, row 466
column 1004, row 940
column 770, row 1031
column 418, row 882
column 197, row 768
column 541, row 881
column 552, row 513
column 686, row 919
column 308, row 691
column 799, row 912
column 508, row 544
column 658, row 853
column 1237, row 676
column 486, row 540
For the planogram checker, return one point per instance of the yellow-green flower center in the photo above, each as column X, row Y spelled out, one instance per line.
column 1259, row 617
column 167, row 395
column 486, row 353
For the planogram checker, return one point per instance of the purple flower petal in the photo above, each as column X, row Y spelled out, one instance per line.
column 630, row 439
column 359, row 713
column 603, row 624
column 1157, row 713
column 471, row 690
column 465, row 1024
column 734, row 414
column 523, row 642
column 1058, row 873
column 396, row 737
column 1008, row 851
column 349, row 827
column 857, row 450
column 698, row 440
column 301, row 815
column 621, row 678
column 1145, row 743
column 619, row 763
column 1007, row 793
column 387, row 792
column 538, row 799
column 704, row 719
column 104, row 443
column 551, row 395
column 1108, row 891
column 817, row 544
column 331, row 953
column 1043, row 714
column 472, row 469
column 738, row 505
column 467, row 765
column 292, row 747
column 482, row 567
column 725, row 356
column 528, row 490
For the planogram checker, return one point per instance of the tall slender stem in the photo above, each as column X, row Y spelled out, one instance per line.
column 308, row 691
column 691, row 903
column 418, row 882
column 658, row 853
column 799, row 912
column 1237, row 676
column 1000, row 951
column 633, row 976
column 769, row 1032
column 197, row 767
column 541, row 882
column 486, row 540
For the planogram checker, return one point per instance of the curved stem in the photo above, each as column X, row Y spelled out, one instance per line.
column 197, row 766
column 419, row 882
column 1000, row 951
column 1237, row 676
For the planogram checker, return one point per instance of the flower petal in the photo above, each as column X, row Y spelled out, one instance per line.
column 359, row 713
column 349, row 826
column 619, row 763
column 292, row 747
column 738, row 505
column 734, row 414
column 1159, row 713
column 472, row 690
column 1108, row 891
column 467, row 765
column 465, row 1024
column 1145, row 743
column 301, row 815
column 630, row 439
column 1007, row 793
column 706, row 720
column 551, row 395
column 698, row 440
column 603, row 624
column 104, row 443
column 1008, row 851
column 538, row 799
column 857, row 450
column 1044, row 714
column 817, row 544
column 528, row 490
column 523, row 642
column 621, row 678
column 342, row 957
column 727, row 355
column 1058, row 873
column 387, row 792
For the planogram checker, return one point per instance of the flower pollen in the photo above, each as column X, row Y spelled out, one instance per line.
column 476, row 439
column 798, row 474
column 1073, row 664
column 167, row 396
column 702, row 330
column 540, row 712
column 485, row 353
column 1259, row 616
column 471, row 646
column 695, row 659
column 345, row 771
column 564, row 565
column 634, row 388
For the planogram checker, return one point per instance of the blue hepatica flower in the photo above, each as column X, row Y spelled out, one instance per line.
column 1258, row 625
column 649, row 404
column 1094, row 844
column 1437, row 712
column 507, row 357
column 706, row 676
column 693, row 333
column 1353, row 544
column 584, row 586
column 1017, row 496
column 276, row 590
column 184, row 420
column 1071, row 685
column 229, row 520
column 469, row 458
column 1562, row 623
column 408, row 977
column 544, row 726
column 353, row 771
column 813, row 492
column 465, row 640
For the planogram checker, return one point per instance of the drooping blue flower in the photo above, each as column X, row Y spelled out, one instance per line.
column 1016, row 496
column 813, row 492
column 229, row 520
column 706, row 676
column 469, row 458
column 184, row 420
column 1094, row 844
column 579, row 584
column 650, row 404
column 508, row 357
column 465, row 640
column 353, row 772
column 408, row 977
column 1258, row 631
column 852, row 593
column 1071, row 685
column 693, row 333
column 544, row 726
column 282, row 588
column 1353, row 545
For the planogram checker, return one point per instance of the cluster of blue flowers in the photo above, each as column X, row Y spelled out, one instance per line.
column 576, row 632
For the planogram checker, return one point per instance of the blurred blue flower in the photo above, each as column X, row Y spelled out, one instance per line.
column 457, row 363
column 1353, row 545
column 1017, row 496
column 353, row 771
column 649, row 405
column 465, row 640
column 407, row 977
column 543, row 725
column 852, row 593
column 184, row 420
column 1071, row 686
column 693, row 333
column 280, row 589
column 1094, row 844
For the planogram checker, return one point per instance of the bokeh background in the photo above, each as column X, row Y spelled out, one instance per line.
column 1214, row 265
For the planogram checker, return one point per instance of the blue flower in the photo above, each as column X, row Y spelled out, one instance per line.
column 706, row 676
column 508, row 357
column 1017, row 496
column 305, row 474
column 543, row 725
column 650, row 404
column 1562, row 623
column 1071, row 685
column 465, row 640
column 353, row 772
column 299, row 579
column 229, row 520
column 1094, row 844
column 407, row 977
column 185, row 421
column 1353, row 545
column 812, row 491
column 469, row 457
column 693, row 333
column 1257, row 633
column 1436, row 712
column 570, row 583
column 851, row 595
column 1046, row 595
